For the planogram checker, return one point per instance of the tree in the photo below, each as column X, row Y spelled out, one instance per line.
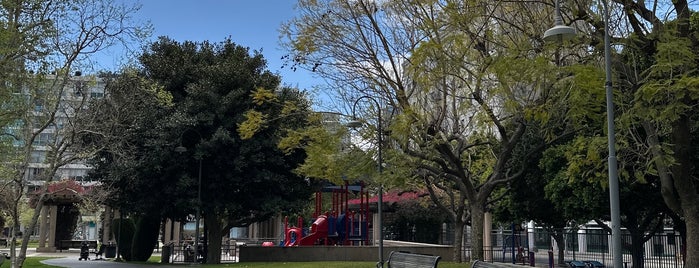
column 656, row 88
column 43, row 44
column 137, row 157
column 462, row 82
column 216, row 88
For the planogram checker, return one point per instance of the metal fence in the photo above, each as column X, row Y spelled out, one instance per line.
column 184, row 252
column 662, row 250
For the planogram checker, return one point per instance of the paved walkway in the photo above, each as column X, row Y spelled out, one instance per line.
column 75, row 263
column 69, row 259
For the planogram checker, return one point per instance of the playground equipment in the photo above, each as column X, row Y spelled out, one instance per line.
column 340, row 226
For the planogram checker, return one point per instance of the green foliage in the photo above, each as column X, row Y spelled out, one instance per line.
column 586, row 158
column 670, row 86
column 253, row 122
column 138, row 148
column 576, row 198
column 326, row 158
column 585, row 96
column 231, row 115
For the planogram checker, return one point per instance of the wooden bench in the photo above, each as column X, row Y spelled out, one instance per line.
column 68, row 244
column 482, row 264
column 400, row 259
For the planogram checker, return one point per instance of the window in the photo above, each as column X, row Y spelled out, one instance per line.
column 43, row 139
column 38, row 157
column 96, row 95
column 38, row 105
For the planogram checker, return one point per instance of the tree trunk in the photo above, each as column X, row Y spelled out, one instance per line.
column 558, row 236
column 477, row 217
column 686, row 186
column 637, row 250
column 214, row 235
column 692, row 247
column 678, row 184
column 458, row 240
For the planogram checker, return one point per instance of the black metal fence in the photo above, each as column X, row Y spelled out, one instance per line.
column 662, row 250
column 185, row 252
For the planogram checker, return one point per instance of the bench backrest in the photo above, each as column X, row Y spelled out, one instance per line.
column 399, row 259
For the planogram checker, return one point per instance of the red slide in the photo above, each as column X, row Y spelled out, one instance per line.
column 319, row 230
column 292, row 235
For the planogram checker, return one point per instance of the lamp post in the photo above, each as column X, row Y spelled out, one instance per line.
column 197, row 216
column 379, row 140
column 611, row 160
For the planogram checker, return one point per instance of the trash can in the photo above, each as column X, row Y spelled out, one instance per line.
column 110, row 251
column 532, row 259
column 167, row 252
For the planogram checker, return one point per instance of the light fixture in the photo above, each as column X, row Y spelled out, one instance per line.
column 559, row 32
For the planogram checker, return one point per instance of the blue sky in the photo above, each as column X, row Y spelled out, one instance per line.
column 249, row 23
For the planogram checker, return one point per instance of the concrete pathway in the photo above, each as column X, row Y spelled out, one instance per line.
column 75, row 263
column 69, row 259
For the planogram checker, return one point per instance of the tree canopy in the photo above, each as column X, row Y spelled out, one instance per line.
column 474, row 96
column 44, row 48
column 199, row 96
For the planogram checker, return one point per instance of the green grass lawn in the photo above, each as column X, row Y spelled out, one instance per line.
column 34, row 262
column 318, row 264
column 31, row 262
column 324, row 264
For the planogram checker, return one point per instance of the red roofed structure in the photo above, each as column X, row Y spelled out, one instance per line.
column 392, row 197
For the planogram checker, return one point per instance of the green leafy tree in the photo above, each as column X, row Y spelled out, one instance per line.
column 459, row 84
column 42, row 44
column 216, row 89
column 655, row 88
column 138, row 165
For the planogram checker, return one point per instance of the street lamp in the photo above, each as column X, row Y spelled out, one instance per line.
column 559, row 32
column 197, row 217
column 611, row 160
column 379, row 140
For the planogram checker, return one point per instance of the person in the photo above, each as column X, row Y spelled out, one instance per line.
column 98, row 254
column 189, row 255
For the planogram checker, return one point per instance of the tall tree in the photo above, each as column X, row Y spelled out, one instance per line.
column 137, row 165
column 459, row 83
column 655, row 85
column 216, row 88
column 43, row 43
